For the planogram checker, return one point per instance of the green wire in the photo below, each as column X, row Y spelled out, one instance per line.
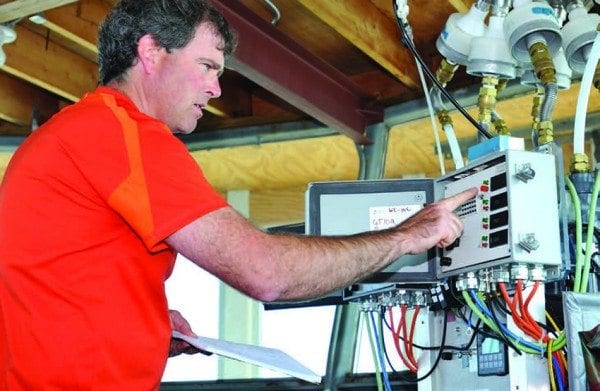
column 579, row 261
column 490, row 323
column 373, row 352
column 590, row 234
column 559, row 342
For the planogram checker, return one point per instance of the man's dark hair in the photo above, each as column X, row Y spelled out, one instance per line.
column 171, row 23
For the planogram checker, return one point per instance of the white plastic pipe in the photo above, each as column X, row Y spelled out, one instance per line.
column 436, row 133
column 454, row 147
column 584, row 96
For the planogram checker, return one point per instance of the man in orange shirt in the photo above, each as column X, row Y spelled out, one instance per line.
column 98, row 201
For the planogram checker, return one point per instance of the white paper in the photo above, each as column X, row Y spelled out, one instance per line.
column 382, row 217
column 273, row 359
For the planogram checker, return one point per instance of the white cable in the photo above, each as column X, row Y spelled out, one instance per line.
column 436, row 132
column 454, row 147
column 402, row 10
column 583, row 97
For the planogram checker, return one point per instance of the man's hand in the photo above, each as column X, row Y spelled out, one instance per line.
column 434, row 225
column 178, row 346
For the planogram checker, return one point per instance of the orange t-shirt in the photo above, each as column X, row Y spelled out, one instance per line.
column 85, row 206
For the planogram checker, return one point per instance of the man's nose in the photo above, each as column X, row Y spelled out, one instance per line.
column 214, row 89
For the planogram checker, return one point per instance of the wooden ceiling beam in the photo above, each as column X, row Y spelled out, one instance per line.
column 49, row 66
column 72, row 41
column 361, row 23
column 22, row 8
column 75, row 26
column 10, row 129
column 18, row 100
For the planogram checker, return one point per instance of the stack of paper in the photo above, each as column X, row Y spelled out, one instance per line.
column 273, row 359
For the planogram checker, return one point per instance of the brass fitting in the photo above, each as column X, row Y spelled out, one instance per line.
column 537, row 104
column 487, row 98
column 580, row 163
column 444, row 117
column 542, row 63
column 445, row 71
column 545, row 132
column 502, row 83
column 501, row 127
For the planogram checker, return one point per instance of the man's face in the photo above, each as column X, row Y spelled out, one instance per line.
column 186, row 79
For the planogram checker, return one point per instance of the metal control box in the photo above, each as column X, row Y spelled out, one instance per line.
column 350, row 207
column 514, row 218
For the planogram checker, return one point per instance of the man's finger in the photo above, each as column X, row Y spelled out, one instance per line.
column 457, row 200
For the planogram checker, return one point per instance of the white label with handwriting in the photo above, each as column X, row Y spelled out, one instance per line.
column 382, row 217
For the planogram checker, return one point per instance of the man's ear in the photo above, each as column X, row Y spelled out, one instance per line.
column 149, row 52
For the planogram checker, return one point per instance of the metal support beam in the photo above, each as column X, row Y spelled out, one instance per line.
column 342, row 347
column 296, row 75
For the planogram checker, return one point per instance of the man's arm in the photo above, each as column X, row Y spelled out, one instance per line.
column 286, row 267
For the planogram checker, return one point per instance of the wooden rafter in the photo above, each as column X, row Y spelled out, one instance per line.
column 49, row 66
column 22, row 8
column 361, row 23
column 18, row 100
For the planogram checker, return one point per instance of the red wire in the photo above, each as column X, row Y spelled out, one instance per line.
column 537, row 332
column 411, row 355
column 525, row 327
column 413, row 367
column 526, row 321
column 396, row 335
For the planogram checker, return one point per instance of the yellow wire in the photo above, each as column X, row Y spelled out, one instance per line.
column 579, row 259
column 552, row 322
column 585, row 271
column 550, row 368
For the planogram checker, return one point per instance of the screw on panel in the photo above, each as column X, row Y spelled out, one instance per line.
column 525, row 172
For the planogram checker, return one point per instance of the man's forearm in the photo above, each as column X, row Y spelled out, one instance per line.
column 285, row 267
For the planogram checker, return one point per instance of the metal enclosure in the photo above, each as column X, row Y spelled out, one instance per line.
column 513, row 219
column 341, row 208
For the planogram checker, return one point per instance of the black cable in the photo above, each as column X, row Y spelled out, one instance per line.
column 499, row 305
column 437, row 360
column 387, row 357
column 445, row 347
column 439, row 356
column 408, row 43
column 504, row 339
column 451, row 289
column 463, row 316
column 441, row 348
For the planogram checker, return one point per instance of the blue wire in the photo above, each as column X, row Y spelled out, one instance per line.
column 386, row 380
column 558, row 373
column 469, row 323
column 506, row 331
